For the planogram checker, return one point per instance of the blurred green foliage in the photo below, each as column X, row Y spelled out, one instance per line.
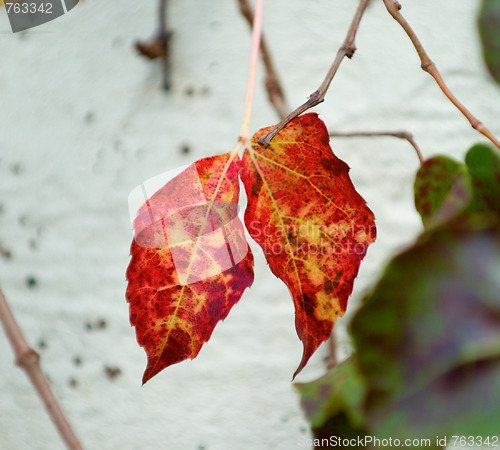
column 489, row 31
column 427, row 338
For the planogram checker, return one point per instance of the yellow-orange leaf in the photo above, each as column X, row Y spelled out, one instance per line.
column 312, row 225
column 190, row 261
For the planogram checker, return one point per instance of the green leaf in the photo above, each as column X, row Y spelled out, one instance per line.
column 442, row 189
column 489, row 31
column 428, row 337
column 341, row 390
column 338, row 431
column 445, row 189
column 334, row 404
column 483, row 162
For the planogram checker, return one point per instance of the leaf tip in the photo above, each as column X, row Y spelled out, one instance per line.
column 305, row 358
column 147, row 376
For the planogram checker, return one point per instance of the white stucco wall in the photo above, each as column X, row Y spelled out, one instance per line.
column 83, row 121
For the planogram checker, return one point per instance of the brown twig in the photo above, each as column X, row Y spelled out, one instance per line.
column 29, row 360
column 347, row 49
column 398, row 134
column 165, row 35
column 158, row 47
column 272, row 82
column 428, row 65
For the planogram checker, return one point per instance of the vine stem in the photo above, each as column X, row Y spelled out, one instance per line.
column 164, row 36
column 272, row 83
column 347, row 49
column 29, row 360
column 398, row 134
column 428, row 66
column 254, row 56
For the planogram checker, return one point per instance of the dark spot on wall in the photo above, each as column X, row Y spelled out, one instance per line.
column 117, row 42
column 112, row 371
column 5, row 252
column 97, row 324
column 89, row 117
column 185, row 149
column 16, row 168
column 77, row 361
column 101, row 323
column 31, row 282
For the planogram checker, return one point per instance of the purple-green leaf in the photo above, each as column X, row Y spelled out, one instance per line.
column 483, row 163
column 334, row 404
column 340, row 390
column 489, row 31
column 442, row 189
column 428, row 337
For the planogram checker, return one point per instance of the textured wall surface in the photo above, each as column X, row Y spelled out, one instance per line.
column 83, row 121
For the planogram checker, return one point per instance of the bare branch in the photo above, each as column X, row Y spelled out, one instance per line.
column 272, row 82
column 347, row 49
column 428, row 65
column 164, row 36
column 158, row 47
column 29, row 360
column 398, row 134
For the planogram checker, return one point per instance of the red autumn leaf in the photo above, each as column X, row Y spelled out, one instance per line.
column 190, row 261
column 312, row 225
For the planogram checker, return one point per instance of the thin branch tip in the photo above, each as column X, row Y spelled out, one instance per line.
column 393, row 7
column 347, row 49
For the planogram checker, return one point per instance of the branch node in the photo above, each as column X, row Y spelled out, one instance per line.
column 428, row 66
column 349, row 50
column 28, row 359
column 315, row 96
column 479, row 126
